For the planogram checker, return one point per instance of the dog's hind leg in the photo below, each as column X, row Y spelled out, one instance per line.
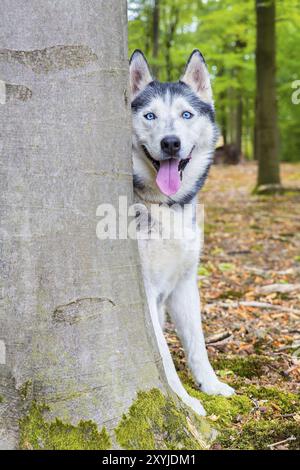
column 184, row 308
column 169, row 368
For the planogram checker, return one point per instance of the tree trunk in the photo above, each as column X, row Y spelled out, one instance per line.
column 266, row 142
column 231, row 115
column 156, row 34
column 75, row 329
column 172, row 22
column 239, row 124
column 76, row 341
column 223, row 115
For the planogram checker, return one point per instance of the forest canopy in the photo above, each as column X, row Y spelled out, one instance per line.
column 225, row 31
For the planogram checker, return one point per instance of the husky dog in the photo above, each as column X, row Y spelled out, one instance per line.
column 174, row 136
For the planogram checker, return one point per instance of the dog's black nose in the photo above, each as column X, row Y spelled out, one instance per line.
column 170, row 144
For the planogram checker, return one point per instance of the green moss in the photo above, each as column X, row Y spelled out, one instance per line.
column 203, row 271
column 285, row 402
column 25, row 389
column 250, row 366
column 257, row 247
column 236, row 418
column 226, row 267
column 231, row 294
column 1, row 399
column 155, row 421
column 258, row 435
column 36, row 433
column 268, row 190
column 209, row 228
column 224, row 409
column 267, row 428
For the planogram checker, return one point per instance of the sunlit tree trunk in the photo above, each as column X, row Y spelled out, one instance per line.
column 266, row 142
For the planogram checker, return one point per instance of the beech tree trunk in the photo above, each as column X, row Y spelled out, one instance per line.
column 266, row 139
column 75, row 330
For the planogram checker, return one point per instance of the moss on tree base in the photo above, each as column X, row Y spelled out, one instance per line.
column 268, row 189
column 255, row 418
column 36, row 433
column 154, row 421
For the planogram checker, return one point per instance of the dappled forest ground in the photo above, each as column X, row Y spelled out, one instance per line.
column 249, row 281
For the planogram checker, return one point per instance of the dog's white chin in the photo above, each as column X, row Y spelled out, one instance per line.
column 146, row 173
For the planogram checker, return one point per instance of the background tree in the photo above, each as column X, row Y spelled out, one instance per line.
column 266, row 144
column 225, row 31
column 156, row 25
column 74, row 321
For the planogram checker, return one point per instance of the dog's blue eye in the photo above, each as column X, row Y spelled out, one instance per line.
column 150, row 116
column 187, row 115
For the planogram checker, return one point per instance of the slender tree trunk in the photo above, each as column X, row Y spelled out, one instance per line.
column 75, row 331
column 248, row 130
column 224, row 126
column 266, row 142
column 172, row 25
column 239, row 125
column 156, row 34
column 231, row 115
column 223, row 116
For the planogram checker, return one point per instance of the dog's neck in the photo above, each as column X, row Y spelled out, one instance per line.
column 147, row 195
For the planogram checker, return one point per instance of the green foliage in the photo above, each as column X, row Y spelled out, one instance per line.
column 225, row 32
column 288, row 65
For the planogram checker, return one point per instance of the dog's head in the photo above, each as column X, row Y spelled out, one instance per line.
column 174, row 131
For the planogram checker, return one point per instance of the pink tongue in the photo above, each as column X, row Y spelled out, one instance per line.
column 168, row 177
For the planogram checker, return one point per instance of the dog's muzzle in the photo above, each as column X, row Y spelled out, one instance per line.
column 181, row 163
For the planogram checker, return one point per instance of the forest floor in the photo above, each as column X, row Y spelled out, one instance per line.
column 249, row 281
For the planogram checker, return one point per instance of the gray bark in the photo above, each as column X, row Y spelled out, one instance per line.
column 74, row 322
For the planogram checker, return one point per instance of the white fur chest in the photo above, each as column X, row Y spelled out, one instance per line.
column 169, row 246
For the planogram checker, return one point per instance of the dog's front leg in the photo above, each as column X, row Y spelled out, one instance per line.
column 169, row 368
column 184, row 308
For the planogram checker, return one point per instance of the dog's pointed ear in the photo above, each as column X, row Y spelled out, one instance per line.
column 197, row 77
column 139, row 73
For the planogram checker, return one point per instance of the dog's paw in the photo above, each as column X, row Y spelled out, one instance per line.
column 194, row 404
column 215, row 387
